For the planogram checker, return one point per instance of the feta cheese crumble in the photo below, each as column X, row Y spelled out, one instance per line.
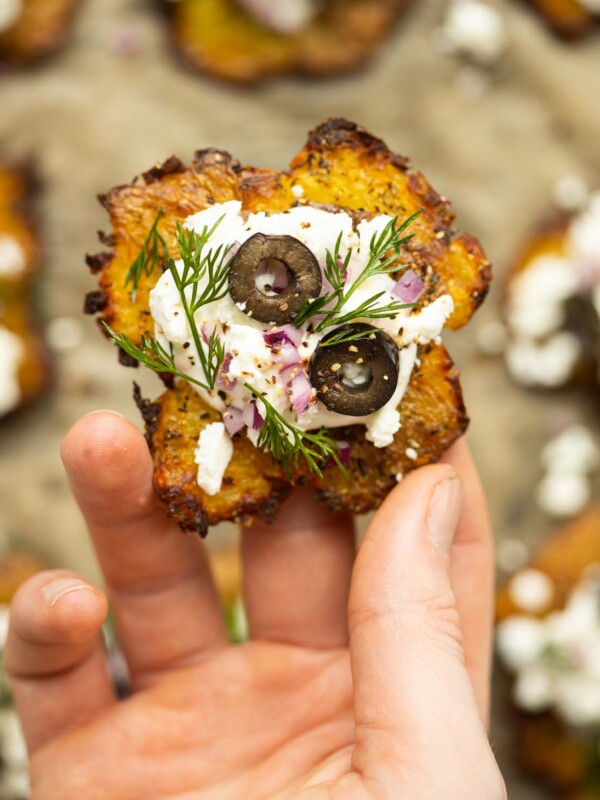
column 556, row 659
column 568, row 460
column 286, row 17
column 475, row 30
column 212, row 456
column 12, row 352
column 12, row 257
column 250, row 360
column 539, row 351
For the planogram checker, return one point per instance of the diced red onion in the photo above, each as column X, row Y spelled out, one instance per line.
column 409, row 287
column 343, row 448
column 223, row 382
column 233, row 420
column 299, row 388
column 251, row 417
column 287, row 333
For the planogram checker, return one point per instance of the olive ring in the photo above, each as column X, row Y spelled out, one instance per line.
column 359, row 375
column 304, row 277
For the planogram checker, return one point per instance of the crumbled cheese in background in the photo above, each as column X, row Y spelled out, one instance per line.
column 531, row 590
column 282, row 16
column 571, row 193
column 12, row 352
column 539, row 353
column 556, row 659
column 10, row 11
column 252, row 360
column 12, row 257
column 549, row 363
column 475, row 30
column 569, row 460
column 212, row 456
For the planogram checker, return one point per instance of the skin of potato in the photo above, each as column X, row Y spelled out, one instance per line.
column 433, row 418
column 40, row 30
column 17, row 218
column 569, row 19
column 220, row 38
column 544, row 746
column 341, row 166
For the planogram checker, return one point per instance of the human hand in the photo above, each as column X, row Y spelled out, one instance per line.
column 363, row 679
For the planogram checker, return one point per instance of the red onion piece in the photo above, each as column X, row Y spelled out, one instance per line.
column 232, row 419
column 287, row 333
column 343, row 454
column 251, row 417
column 409, row 287
column 223, row 382
column 299, row 388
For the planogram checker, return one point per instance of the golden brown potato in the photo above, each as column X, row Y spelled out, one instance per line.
column 544, row 746
column 567, row 18
column 17, row 314
column 341, row 166
column 220, row 38
column 39, row 31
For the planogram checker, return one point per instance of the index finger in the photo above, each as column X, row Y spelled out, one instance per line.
column 472, row 575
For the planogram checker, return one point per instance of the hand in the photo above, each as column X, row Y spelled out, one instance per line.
column 363, row 679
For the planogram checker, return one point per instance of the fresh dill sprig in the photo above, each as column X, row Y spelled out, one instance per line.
column 153, row 250
column 343, row 336
column 287, row 443
column 384, row 251
column 201, row 279
column 212, row 270
column 152, row 354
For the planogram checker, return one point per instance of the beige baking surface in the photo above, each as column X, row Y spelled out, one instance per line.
column 96, row 117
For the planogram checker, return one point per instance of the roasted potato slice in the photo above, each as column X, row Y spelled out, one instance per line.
column 569, row 19
column 341, row 166
column 39, row 30
column 18, row 227
column 220, row 38
column 544, row 745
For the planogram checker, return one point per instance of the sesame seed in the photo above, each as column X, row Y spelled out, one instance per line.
column 360, row 361
column 385, row 378
column 335, row 367
column 353, row 348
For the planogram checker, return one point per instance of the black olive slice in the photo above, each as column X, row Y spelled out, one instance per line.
column 302, row 277
column 355, row 377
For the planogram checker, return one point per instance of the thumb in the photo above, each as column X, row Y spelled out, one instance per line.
column 413, row 697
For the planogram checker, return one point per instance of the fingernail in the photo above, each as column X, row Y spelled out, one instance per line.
column 443, row 512
column 61, row 586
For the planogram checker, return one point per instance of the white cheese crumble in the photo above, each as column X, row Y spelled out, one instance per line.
column 249, row 359
column 212, row 456
column 283, row 16
column 475, row 30
column 539, row 352
column 568, row 461
column 12, row 257
column 531, row 590
column 556, row 659
column 10, row 11
column 12, row 352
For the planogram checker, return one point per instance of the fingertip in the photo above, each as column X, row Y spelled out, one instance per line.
column 105, row 447
column 57, row 607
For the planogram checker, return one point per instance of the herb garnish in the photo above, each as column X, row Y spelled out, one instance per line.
column 153, row 250
column 287, row 443
column 198, row 267
column 330, row 305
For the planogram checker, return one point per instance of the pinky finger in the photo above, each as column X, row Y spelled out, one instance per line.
column 55, row 660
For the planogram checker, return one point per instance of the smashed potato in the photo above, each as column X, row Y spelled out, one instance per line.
column 545, row 746
column 219, row 37
column 29, row 371
column 342, row 166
